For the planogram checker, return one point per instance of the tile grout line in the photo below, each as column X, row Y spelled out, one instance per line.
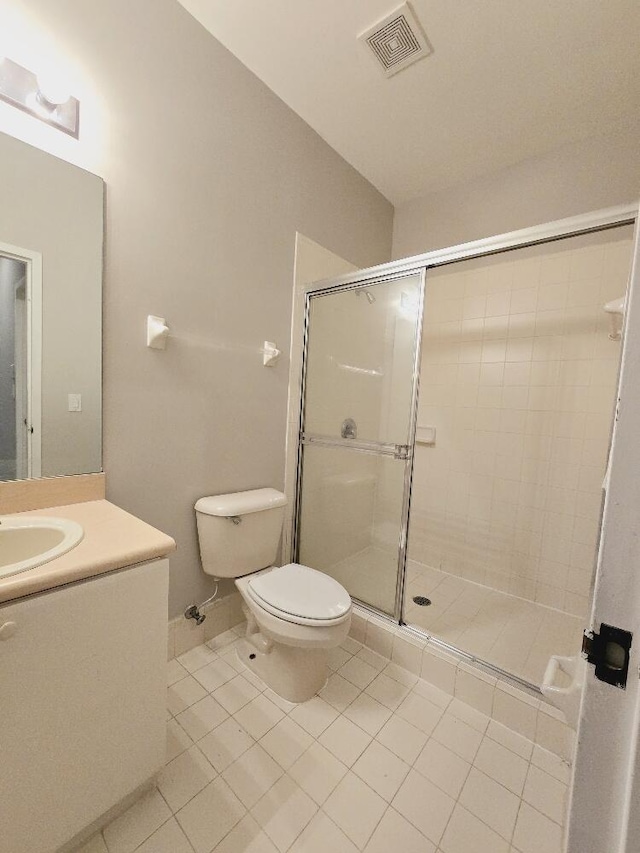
column 442, row 711
column 144, row 841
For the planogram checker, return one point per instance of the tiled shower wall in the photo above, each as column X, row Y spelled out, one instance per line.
column 518, row 377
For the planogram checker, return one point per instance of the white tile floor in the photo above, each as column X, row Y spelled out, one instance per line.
column 378, row 761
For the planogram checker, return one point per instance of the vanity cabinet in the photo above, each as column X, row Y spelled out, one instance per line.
column 82, row 703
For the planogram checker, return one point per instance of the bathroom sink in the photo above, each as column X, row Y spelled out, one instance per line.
column 29, row 542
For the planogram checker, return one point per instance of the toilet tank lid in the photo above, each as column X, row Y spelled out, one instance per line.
column 241, row 503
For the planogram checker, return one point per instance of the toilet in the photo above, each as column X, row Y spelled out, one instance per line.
column 295, row 614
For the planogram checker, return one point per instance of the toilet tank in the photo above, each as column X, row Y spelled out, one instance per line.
column 240, row 532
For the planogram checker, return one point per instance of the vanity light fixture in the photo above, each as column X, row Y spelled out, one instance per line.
column 42, row 98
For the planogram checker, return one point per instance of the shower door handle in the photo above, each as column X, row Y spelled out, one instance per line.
column 377, row 448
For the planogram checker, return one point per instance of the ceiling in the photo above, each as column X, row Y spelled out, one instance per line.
column 507, row 79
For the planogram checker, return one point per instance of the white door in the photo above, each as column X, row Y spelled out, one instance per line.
column 28, row 362
column 604, row 813
column 21, row 361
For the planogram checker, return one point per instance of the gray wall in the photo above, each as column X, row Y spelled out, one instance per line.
column 209, row 175
column 596, row 173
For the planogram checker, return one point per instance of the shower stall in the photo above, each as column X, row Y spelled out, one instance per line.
column 455, row 416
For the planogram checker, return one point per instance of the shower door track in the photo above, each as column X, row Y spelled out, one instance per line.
column 561, row 229
column 599, row 220
column 425, row 637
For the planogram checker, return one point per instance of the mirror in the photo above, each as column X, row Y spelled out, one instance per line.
column 51, row 239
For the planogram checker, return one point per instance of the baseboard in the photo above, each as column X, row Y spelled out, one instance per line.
column 74, row 845
column 222, row 614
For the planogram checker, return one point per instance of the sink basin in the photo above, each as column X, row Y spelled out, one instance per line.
column 29, row 542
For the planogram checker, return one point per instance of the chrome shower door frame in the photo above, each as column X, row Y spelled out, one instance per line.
column 561, row 229
column 356, row 282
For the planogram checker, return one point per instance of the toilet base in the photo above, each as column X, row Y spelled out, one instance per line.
column 293, row 673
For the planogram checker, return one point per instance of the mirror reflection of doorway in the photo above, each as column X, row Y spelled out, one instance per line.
column 15, row 425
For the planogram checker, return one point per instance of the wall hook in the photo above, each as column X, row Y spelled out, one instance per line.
column 157, row 332
column 270, row 354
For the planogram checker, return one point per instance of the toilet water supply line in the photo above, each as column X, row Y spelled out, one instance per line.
column 193, row 612
column 260, row 643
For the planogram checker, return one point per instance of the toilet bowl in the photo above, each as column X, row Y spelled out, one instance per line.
column 295, row 614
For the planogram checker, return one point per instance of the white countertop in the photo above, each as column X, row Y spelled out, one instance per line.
column 112, row 540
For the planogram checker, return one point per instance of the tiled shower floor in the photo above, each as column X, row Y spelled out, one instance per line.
column 513, row 633
column 379, row 761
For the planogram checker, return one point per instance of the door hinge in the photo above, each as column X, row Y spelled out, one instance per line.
column 609, row 652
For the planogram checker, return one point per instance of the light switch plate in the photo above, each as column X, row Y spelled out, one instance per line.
column 75, row 402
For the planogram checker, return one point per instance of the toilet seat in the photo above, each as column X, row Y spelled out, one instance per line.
column 300, row 595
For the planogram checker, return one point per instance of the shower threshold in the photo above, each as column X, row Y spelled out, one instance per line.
column 507, row 634
column 512, row 634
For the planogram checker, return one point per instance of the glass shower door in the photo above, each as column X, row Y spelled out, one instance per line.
column 356, row 442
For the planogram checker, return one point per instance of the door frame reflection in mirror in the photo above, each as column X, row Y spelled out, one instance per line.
column 33, row 301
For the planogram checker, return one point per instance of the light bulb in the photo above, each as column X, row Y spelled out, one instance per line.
column 53, row 89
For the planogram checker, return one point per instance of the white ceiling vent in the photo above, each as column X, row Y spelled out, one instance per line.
column 397, row 40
